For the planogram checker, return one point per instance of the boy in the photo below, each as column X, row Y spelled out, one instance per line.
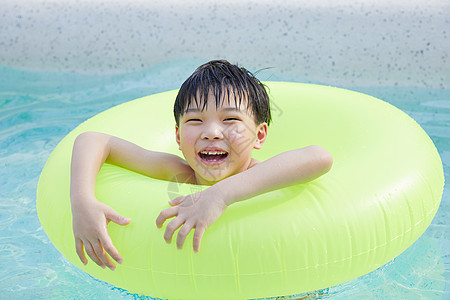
column 222, row 112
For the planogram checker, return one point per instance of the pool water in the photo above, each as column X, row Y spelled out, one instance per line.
column 37, row 109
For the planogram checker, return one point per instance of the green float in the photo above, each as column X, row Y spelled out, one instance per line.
column 381, row 194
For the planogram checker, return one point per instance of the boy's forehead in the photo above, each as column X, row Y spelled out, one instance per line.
column 226, row 103
column 232, row 106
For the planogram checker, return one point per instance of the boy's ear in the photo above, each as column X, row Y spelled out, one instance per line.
column 177, row 136
column 261, row 135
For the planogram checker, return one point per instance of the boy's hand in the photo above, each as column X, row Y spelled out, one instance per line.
column 90, row 220
column 197, row 211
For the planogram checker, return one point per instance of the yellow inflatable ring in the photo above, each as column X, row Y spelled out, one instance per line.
column 381, row 194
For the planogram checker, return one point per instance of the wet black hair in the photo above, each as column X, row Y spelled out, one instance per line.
column 221, row 77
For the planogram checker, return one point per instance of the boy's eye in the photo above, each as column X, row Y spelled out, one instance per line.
column 231, row 119
column 198, row 120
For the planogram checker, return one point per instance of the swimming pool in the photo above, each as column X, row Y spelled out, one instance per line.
column 39, row 107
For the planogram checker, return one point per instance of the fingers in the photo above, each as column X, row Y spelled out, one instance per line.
column 122, row 220
column 91, row 253
column 182, row 234
column 171, row 227
column 118, row 219
column 165, row 214
column 101, row 255
column 110, row 249
column 176, row 201
column 177, row 222
column 91, row 234
column 96, row 251
column 80, row 251
column 198, row 234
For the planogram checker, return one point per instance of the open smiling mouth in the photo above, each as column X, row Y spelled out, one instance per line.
column 213, row 157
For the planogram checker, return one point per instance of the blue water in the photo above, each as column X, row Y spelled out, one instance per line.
column 37, row 109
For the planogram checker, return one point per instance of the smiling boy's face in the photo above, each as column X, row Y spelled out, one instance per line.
column 217, row 143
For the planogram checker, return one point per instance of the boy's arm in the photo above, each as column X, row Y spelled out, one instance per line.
column 201, row 209
column 90, row 151
column 285, row 169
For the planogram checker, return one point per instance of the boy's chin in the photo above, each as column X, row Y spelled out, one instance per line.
column 211, row 179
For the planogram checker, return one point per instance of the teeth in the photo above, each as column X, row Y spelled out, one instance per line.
column 212, row 152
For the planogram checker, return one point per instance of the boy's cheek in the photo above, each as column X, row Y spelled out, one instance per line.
column 242, row 140
column 235, row 136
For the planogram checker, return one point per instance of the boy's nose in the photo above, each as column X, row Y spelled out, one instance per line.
column 212, row 131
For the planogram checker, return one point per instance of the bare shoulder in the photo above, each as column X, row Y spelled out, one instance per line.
column 178, row 170
column 253, row 163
